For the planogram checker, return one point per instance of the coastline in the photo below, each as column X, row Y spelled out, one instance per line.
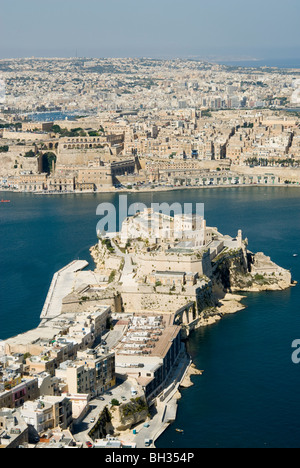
column 151, row 190
column 230, row 304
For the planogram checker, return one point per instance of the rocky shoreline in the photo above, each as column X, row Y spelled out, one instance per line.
column 187, row 382
column 234, row 271
column 230, row 304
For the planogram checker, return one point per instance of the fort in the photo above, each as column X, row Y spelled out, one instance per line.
column 139, row 151
column 119, row 330
column 188, row 277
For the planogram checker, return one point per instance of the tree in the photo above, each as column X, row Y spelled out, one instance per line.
column 56, row 129
column 29, row 154
column 48, row 159
column 93, row 133
column 115, row 402
column 112, row 276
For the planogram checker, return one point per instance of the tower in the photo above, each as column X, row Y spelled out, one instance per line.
column 240, row 238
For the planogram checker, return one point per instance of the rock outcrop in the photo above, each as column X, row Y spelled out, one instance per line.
column 130, row 414
column 241, row 270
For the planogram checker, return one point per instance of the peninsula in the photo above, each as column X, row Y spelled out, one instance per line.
column 107, row 362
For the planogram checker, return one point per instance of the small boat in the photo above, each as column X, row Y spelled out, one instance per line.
column 5, row 201
column 180, row 430
column 295, row 255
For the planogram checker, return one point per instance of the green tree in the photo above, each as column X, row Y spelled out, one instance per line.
column 115, row 402
column 56, row 129
column 29, row 154
column 48, row 159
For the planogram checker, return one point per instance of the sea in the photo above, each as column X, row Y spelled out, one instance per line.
column 284, row 63
column 249, row 393
column 57, row 115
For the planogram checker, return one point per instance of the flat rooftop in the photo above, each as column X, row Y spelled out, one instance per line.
column 148, row 336
column 52, row 328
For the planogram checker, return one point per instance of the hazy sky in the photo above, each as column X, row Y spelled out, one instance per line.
column 154, row 28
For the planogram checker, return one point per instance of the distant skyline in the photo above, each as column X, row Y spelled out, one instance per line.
column 260, row 29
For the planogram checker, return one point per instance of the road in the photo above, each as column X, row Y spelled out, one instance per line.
column 162, row 415
column 127, row 276
column 97, row 405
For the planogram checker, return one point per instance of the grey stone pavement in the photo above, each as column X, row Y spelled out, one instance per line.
column 60, row 287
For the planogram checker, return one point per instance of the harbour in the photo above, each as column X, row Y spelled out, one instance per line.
column 271, row 318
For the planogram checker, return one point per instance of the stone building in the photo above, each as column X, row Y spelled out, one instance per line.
column 90, row 373
column 60, row 184
column 48, row 412
column 16, row 396
column 13, row 429
column 149, row 351
column 33, row 182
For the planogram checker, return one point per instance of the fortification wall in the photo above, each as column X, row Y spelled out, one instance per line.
column 174, row 262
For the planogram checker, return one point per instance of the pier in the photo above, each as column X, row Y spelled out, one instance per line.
column 60, row 286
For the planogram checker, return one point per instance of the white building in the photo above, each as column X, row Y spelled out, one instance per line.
column 158, row 227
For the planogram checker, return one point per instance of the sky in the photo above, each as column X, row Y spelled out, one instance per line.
column 155, row 28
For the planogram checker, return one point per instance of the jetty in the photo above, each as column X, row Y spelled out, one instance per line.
column 60, row 286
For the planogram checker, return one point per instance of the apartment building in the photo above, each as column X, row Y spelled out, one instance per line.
column 149, row 351
column 16, row 396
column 90, row 373
column 48, row 412
column 13, row 429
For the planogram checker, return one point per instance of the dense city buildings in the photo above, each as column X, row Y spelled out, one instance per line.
column 109, row 353
column 146, row 124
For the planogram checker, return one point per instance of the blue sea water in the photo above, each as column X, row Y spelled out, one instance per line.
column 248, row 395
column 283, row 63
column 52, row 116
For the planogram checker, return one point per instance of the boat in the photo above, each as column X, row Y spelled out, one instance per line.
column 180, row 430
column 295, row 255
column 5, row 201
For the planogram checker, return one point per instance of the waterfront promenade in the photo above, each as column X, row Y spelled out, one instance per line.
column 153, row 188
